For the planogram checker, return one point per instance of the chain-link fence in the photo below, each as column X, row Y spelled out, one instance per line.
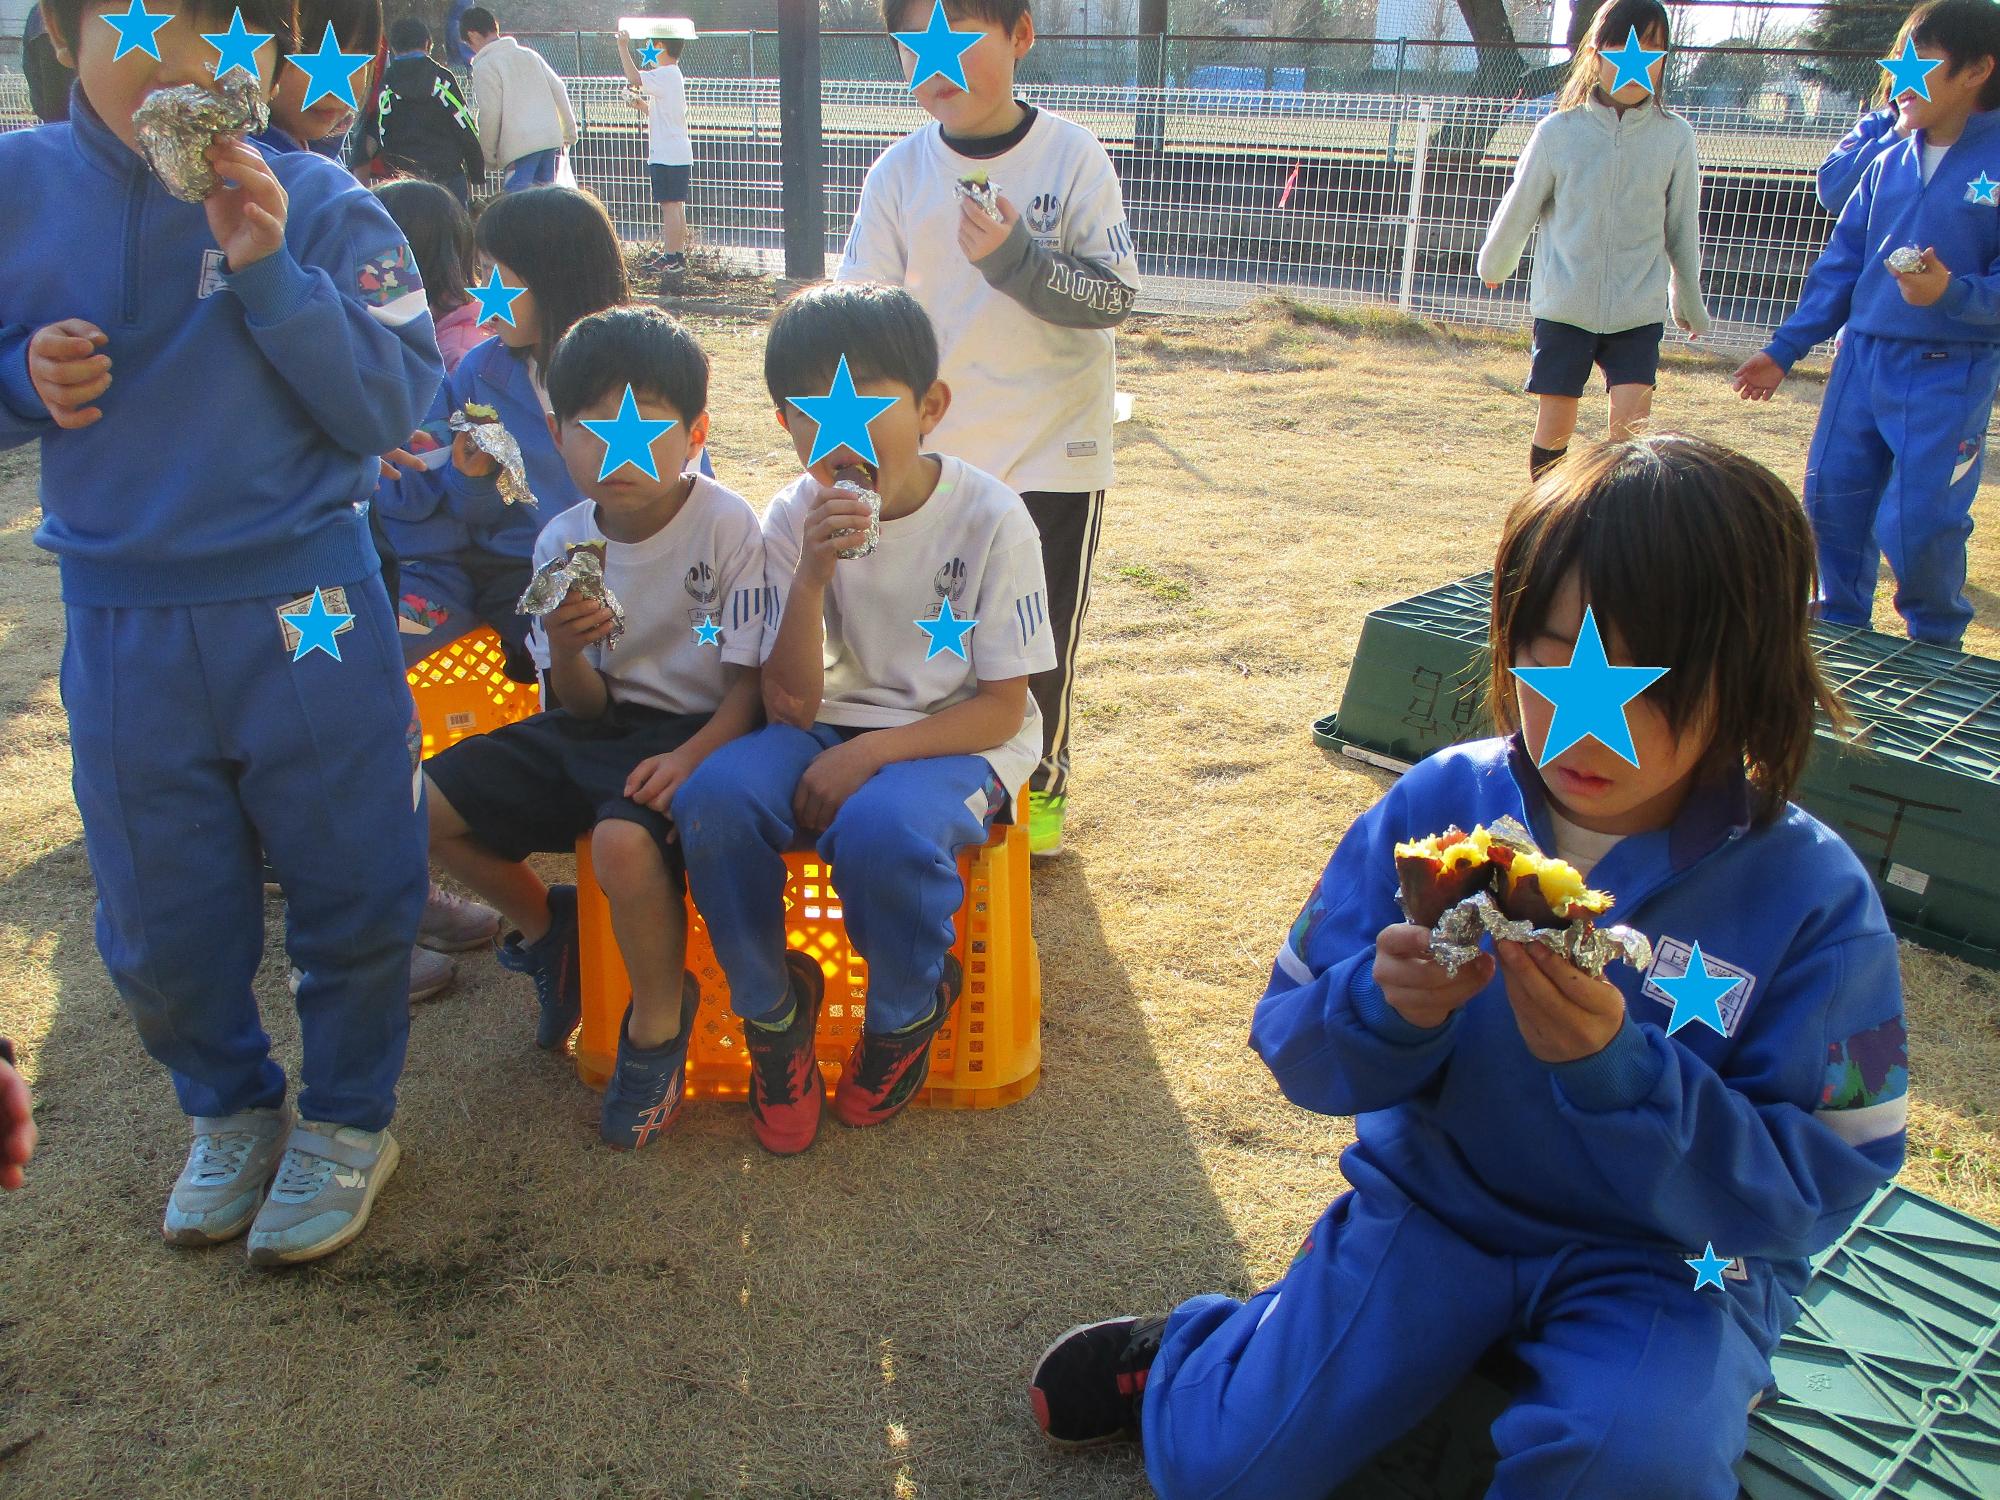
column 1338, row 172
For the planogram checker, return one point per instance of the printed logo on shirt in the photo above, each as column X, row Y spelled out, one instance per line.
column 214, row 271
column 1083, row 450
column 1983, row 190
column 700, row 584
column 1118, row 240
column 747, row 605
column 1029, row 613
column 950, row 580
column 1044, row 213
column 1670, row 961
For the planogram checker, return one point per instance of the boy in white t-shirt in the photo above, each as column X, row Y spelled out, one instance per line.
column 896, row 684
column 636, row 715
column 1024, row 307
column 655, row 75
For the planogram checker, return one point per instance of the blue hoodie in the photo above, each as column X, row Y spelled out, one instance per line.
column 1766, row 1142
column 438, row 511
column 246, row 411
column 1892, row 206
column 1873, row 133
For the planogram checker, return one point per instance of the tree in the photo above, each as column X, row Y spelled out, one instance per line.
column 1860, row 26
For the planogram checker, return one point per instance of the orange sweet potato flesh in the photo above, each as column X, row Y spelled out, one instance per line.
column 1430, row 884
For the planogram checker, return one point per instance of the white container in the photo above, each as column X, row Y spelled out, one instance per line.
column 658, row 28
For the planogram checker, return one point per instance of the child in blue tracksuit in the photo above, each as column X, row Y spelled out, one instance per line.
column 1896, row 459
column 211, row 384
column 1540, row 1153
column 319, row 126
column 463, row 550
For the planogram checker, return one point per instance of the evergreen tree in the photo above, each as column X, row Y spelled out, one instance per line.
column 1867, row 27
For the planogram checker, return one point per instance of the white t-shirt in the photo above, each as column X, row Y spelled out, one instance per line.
column 1932, row 156
column 667, row 110
column 708, row 562
column 973, row 541
column 1031, row 401
column 1579, row 846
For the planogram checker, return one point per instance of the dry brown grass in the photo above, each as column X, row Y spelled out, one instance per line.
column 532, row 1315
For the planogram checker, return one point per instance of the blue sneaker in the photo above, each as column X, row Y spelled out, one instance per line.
column 552, row 963
column 648, row 1086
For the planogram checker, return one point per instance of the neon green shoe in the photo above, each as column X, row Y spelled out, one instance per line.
column 1045, row 823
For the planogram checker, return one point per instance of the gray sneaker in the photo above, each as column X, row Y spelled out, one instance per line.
column 456, row 924
column 431, row 974
column 324, row 1191
column 231, row 1163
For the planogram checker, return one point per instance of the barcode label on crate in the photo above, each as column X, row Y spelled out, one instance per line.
column 1910, row 880
column 460, row 720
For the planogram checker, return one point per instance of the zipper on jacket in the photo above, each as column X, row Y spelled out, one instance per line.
column 135, row 213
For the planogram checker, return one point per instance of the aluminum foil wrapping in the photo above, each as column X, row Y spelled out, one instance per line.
column 861, row 484
column 1455, row 939
column 1906, row 260
column 581, row 568
column 978, row 190
column 176, row 126
column 497, row 443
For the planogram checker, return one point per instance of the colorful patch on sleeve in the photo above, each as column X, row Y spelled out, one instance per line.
column 1293, row 956
column 390, row 288
column 1867, row 1068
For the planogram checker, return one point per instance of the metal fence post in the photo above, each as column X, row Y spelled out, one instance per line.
column 1418, row 162
column 1396, row 120
column 802, row 168
column 756, row 126
column 576, row 38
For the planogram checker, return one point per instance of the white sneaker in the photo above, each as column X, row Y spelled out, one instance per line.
column 324, row 1191
column 456, row 924
column 229, row 1166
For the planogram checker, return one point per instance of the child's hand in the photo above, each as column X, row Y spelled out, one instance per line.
column 979, row 236
column 833, row 514
column 1923, row 287
column 655, row 779
column 471, row 460
column 1563, row 1013
column 399, row 458
column 1687, row 328
column 1417, row 989
column 575, row 624
column 247, row 220
column 1757, row 377
column 17, row 1128
column 833, row 777
column 68, row 372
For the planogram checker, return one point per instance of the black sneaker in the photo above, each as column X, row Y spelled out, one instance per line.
column 1090, row 1384
column 552, row 962
column 885, row 1069
column 787, row 1090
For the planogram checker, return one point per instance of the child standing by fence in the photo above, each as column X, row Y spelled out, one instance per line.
column 669, row 151
column 1612, row 182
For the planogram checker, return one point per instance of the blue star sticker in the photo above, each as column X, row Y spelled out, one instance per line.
column 317, row 628
column 843, row 415
column 236, row 47
column 649, row 55
column 138, row 29
column 940, row 50
column 1697, row 995
column 708, row 633
column 329, row 71
column 1633, row 62
column 1589, row 697
column 947, row 633
column 1708, row 1270
column 495, row 299
column 628, row 438
column 1983, row 189
column 1909, row 72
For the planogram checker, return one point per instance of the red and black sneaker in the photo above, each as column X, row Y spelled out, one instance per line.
column 1090, row 1384
column 787, row 1091
column 885, row 1070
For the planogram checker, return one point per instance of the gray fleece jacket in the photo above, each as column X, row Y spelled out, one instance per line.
column 1618, row 200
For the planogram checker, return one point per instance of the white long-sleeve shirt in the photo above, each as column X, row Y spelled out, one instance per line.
column 523, row 104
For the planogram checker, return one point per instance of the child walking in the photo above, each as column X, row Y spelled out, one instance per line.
column 1025, row 307
column 896, row 685
column 421, row 126
column 669, row 148
column 1895, row 461
column 1612, row 182
column 231, row 673
column 1540, row 1153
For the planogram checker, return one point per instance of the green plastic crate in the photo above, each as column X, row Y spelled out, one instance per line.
column 1916, row 795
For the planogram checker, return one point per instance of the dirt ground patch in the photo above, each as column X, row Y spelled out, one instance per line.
column 531, row 1315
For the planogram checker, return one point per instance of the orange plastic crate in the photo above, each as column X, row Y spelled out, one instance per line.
column 988, row 1055
column 462, row 690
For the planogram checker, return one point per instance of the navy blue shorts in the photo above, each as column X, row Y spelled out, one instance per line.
column 538, row 786
column 670, row 184
column 1564, row 353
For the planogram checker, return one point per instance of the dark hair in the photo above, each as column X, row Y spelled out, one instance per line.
column 1006, row 14
column 1964, row 31
column 440, row 234
column 278, row 17
column 357, row 24
column 560, row 242
column 883, row 331
column 642, row 347
column 1702, row 561
column 673, row 46
column 409, row 34
column 1619, row 19
column 478, row 19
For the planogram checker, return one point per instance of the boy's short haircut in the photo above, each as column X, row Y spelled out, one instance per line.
column 883, row 330
column 643, row 347
column 673, row 46
column 278, row 17
column 1006, row 14
column 1699, row 560
column 409, row 34
column 1964, row 31
column 478, row 20
column 357, row 24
